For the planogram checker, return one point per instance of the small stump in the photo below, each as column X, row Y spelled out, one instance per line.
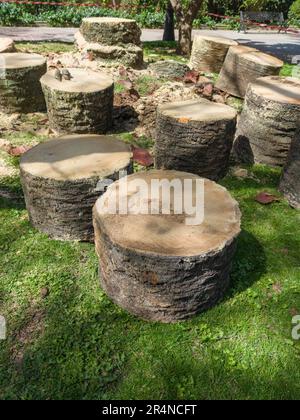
column 20, row 88
column 7, row 45
column 169, row 69
column 195, row 136
column 243, row 65
column 112, row 41
column 156, row 266
column 209, row 53
column 290, row 181
column 269, row 121
column 62, row 179
column 81, row 105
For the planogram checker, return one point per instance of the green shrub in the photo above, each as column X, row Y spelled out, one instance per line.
column 294, row 14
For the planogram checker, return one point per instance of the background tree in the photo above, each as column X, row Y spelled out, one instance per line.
column 169, row 28
column 186, row 12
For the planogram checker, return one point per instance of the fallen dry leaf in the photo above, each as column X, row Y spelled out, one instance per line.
column 191, row 77
column 142, row 156
column 266, row 198
column 19, row 150
column 184, row 120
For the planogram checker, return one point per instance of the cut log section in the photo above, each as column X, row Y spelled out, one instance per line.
column 243, row 65
column 195, row 136
column 290, row 181
column 83, row 104
column 269, row 121
column 20, row 88
column 111, row 31
column 209, row 53
column 159, row 266
column 112, row 41
column 63, row 178
column 7, row 45
column 169, row 69
column 129, row 55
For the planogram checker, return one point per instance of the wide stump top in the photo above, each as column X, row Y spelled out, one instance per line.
column 76, row 157
column 21, row 61
column 168, row 234
column 107, row 20
column 278, row 89
column 197, row 110
column 82, row 80
column 256, row 56
column 217, row 39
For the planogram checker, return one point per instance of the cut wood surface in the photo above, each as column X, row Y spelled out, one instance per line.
column 269, row 121
column 60, row 179
column 290, row 181
column 208, row 53
column 83, row 104
column 111, row 31
column 7, row 45
column 20, row 88
column 155, row 265
column 195, row 136
column 244, row 65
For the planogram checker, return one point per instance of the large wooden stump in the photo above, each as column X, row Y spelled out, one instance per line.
column 62, row 179
column 290, row 181
column 195, row 136
column 7, row 45
column 209, row 53
column 243, row 65
column 20, row 88
column 269, row 121
column 82, row 105
column 112, row 41
column 156, row 266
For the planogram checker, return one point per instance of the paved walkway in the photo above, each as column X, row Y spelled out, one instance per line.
column 285, row 46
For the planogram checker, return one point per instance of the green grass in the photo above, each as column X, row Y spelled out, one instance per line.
column 287, row 70
column 76, row 344
column 45, row 47
column 162, row 50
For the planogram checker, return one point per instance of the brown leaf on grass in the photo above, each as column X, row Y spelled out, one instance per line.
column 191, row 77
column 19, row 150
column 142, row 156
column 266, row 198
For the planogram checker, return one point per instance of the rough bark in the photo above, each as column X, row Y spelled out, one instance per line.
column 269, row 121
column 7, row 45
column 290, row 181
column 169, row 27
column 195, row 136
column 59, row 204
column 169, row 69
column 185, row 17
column 147, row 275
column 20, row 88
column 111, row 31
column 243, row 65
column 82, row 105
column 129, row 55
column 209, row 53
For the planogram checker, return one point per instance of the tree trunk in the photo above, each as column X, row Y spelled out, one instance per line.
column 195, row 136
column 169, row 29
column 155, row 265
column 185, row 38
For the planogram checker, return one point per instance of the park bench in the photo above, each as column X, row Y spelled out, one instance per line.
column 247, row 18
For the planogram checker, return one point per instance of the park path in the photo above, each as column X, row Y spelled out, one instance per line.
column 284, row 46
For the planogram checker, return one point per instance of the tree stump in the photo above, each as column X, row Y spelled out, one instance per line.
column 290, row 181
column 81, row 105
column 112, row 41
column 243, row 65
column 269, row 121
column 156, row 266
column 20, row 88
column 169, row 69
column 7, row 45
column 195, row 136
column 62, row 179
column 209, row 53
